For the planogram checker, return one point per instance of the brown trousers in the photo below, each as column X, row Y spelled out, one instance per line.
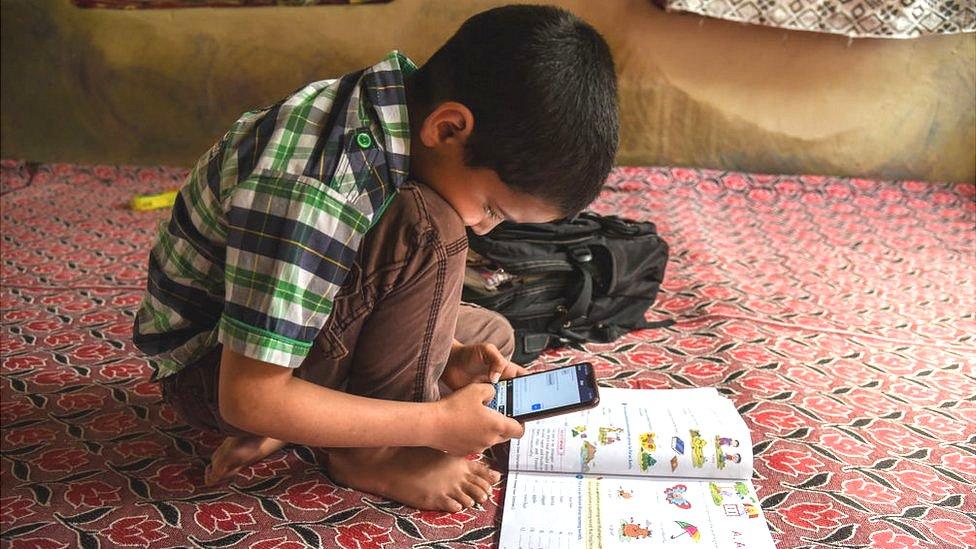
column 393, row 322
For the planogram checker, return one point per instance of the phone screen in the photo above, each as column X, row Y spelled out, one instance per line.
column 537, row 394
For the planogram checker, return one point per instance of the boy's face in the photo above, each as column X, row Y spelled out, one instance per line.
column 482, row 201
column 478, row 195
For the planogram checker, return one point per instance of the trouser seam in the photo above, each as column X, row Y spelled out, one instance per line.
column 457, row 246
column 432, row 316
column 423, row 362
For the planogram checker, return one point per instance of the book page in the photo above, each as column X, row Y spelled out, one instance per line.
column 693, row 433
column 557, row 511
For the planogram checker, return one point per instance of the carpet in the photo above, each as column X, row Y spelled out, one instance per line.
column 838, row 314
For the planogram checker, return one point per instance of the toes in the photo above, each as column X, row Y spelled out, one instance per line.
column 483, row 487
column 486, row 472
column 216, row 475
column 448, row 504
column 476, row 491
column 208, row 476
column 461, row 496
column 271, row 445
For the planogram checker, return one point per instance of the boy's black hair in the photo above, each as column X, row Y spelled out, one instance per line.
column 540, row 83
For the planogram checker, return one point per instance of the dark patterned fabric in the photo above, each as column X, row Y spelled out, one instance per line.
column 854, row 18
column 154, row 4
column 838, row 314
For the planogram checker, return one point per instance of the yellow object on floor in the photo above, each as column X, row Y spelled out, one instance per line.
column 142, row 202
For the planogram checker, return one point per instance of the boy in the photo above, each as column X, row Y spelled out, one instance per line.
column 307, row 287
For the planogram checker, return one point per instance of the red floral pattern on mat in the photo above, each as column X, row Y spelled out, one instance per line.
column 838, row 314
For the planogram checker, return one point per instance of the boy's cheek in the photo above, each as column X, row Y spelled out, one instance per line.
column 476, row 225
column 471, row 215
column 483, row 227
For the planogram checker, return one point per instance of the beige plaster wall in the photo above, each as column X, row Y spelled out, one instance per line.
column 159, row 86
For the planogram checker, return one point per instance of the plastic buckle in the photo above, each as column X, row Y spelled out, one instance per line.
column 581, row 255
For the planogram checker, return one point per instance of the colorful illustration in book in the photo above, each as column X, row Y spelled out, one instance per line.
column 697, row 449
column 631, row 530
column 721, row 455
column 722, row 491
column 726, row 441
column 743, row 492
column 647, row 442
column 687, row 529
column 647, row 447
column 721, row 458
column 676, row 496
column 579, row 431
column 678, row 445
column 717, row 495
column 625, row 494
column 646, row 460
column 587, row 453
column 737, row 492
column 609, row 435
column 737, row 510
column 674, row 464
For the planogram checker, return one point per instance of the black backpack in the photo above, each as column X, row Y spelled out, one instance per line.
column 590, row 278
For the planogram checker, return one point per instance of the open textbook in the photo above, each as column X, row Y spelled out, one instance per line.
column 646, row 468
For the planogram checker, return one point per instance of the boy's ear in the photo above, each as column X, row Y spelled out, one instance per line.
column 449, row 123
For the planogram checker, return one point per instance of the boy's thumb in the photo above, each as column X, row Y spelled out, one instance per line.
column 487, row 392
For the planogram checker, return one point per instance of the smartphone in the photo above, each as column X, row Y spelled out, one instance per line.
column 549, row 393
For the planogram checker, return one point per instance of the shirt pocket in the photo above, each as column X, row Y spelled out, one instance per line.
column 361, row 175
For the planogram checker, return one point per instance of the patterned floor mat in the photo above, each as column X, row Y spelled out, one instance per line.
column 838, row 314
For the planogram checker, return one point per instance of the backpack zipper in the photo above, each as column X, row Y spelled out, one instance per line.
column 541, row 265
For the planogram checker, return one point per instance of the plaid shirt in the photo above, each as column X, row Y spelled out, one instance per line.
column 269, row 221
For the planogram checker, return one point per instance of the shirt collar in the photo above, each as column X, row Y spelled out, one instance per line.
column 387, row 96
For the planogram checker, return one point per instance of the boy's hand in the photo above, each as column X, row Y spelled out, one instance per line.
column 478, row 363
column 466, row 426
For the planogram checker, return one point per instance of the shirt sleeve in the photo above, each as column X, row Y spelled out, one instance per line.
column 290, row 244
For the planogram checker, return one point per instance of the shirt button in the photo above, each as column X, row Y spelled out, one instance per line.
column 364, row 140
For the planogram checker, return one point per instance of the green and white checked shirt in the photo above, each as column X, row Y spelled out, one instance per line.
column 269, row 221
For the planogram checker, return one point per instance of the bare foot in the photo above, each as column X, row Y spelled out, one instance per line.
column 419, row 477
column 236, row 453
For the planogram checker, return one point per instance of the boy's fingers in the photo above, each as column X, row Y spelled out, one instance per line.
column 496, row 362
column 486, row 391
column 495, row 373
column 499, row 366
column 514, row 429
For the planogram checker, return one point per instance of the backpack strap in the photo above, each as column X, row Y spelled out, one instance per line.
column 529, row 345
column 578, row 257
